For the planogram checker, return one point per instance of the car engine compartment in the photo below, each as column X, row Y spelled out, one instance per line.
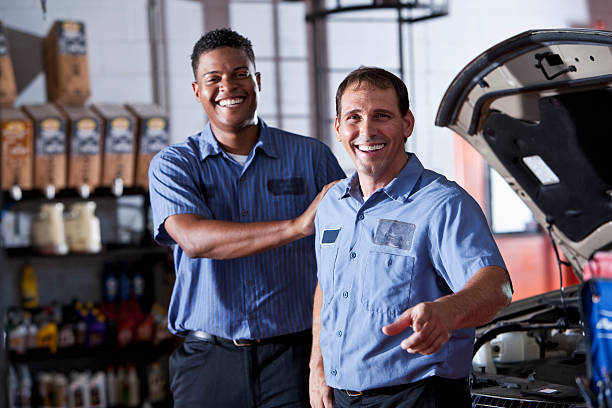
column 531, row 354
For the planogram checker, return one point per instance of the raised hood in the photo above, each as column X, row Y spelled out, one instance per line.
column 538, row 107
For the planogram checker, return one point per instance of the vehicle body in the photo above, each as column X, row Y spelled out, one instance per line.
column 538, row 107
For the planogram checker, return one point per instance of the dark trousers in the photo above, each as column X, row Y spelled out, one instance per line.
column 220, row 374
column 433, row 392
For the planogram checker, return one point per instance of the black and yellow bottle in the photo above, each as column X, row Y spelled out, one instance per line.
column 29, row 288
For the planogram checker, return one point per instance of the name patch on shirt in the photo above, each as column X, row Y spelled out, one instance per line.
column 396, row 234
column 289, row 186
column 329, row 236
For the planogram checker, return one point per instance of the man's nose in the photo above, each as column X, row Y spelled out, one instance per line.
column 227, row 82
column 368, row 127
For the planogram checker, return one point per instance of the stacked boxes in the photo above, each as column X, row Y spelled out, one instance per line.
column 118, row 152
column 65, row 144
column 151, row 137
column 84, row 148
column 17, row 145
column 50, row 151
column 8, row 89
column 66, row 67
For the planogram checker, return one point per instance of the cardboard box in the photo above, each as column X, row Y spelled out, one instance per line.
column 17, row 149
column 151, row 136
column 66, row 66
column 119, row 144
column 8, row 88
column 50, row 146
column 84, row 146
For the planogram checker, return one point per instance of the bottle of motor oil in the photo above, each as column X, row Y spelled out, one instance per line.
column 29, row 288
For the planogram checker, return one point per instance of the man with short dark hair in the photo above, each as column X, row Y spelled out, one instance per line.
column 237, row 202
column 407, row 266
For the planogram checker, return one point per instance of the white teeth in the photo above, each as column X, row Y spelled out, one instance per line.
column 230, row 101
column 369, row 148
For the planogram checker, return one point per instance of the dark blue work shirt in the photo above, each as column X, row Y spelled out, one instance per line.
column 258, row 296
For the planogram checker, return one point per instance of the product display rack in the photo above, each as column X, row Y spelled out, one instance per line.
column 138, row 247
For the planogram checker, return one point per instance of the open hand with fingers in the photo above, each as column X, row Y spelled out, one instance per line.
column 432, row 323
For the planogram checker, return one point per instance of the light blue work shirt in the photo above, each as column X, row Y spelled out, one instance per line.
column 259, row 296
column 417, row 239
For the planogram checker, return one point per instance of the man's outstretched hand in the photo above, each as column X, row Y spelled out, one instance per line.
column 432, row 324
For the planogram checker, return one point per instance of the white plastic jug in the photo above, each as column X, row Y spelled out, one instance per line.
column 47, row 230
column 83, row 228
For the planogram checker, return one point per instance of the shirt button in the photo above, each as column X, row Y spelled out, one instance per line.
column 334, row 372
column 389, row 262
column 353, row 255
column 244, row 213
column 242, row 178
column 344, row 294
column 339, row 333
column 361, row 216
column 249, row 283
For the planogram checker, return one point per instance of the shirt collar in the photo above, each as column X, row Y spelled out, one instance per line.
column 209, row 145
column 399, row 188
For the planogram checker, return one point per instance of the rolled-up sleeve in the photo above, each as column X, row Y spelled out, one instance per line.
column 174, row 189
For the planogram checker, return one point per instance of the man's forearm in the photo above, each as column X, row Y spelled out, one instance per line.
column 202, row 238
column 316, row 358
column 486, row 293
column 319, row 392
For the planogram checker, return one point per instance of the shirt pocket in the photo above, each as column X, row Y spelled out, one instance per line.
column 328, row 254
column 387, row 283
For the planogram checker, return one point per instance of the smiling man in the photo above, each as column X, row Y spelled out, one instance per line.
column 407, row 266
column 237, row 201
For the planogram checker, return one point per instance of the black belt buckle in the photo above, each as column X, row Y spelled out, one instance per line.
column 245, row 342
column 353, row 393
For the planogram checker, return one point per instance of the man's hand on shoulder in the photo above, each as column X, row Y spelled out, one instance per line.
column 432, row 324
column 305, row 222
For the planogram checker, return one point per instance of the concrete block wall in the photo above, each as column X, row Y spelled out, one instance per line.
column 442, row 47
column 119, row 52
column 184, row 26
column 436, row 50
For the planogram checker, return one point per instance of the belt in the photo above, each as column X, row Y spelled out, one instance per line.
column 393, row 389
column 377, row 391
column 286, row 338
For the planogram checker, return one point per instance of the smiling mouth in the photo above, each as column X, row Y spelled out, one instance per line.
column 229, row 102
column 370, row 148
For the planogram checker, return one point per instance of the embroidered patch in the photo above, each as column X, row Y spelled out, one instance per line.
column 329, row 236
column 396, row 234
column 290, row 186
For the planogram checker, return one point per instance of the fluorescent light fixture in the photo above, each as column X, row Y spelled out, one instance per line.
column 540, row 169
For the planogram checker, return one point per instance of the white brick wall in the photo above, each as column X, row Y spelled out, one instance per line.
column 185, row 21
column 119, row 52
column 444, row 46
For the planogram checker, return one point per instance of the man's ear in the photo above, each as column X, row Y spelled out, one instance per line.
column 337, row 128
column 408, row 124
column 196, row 90
column 258, row 80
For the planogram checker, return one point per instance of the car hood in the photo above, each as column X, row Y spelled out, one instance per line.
column 538, row 107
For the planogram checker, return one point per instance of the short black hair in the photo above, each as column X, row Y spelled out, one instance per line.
column 221, row 37
column 379, row 78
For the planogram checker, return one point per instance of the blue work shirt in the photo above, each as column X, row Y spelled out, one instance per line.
column 417, row 239
column 258, row 296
